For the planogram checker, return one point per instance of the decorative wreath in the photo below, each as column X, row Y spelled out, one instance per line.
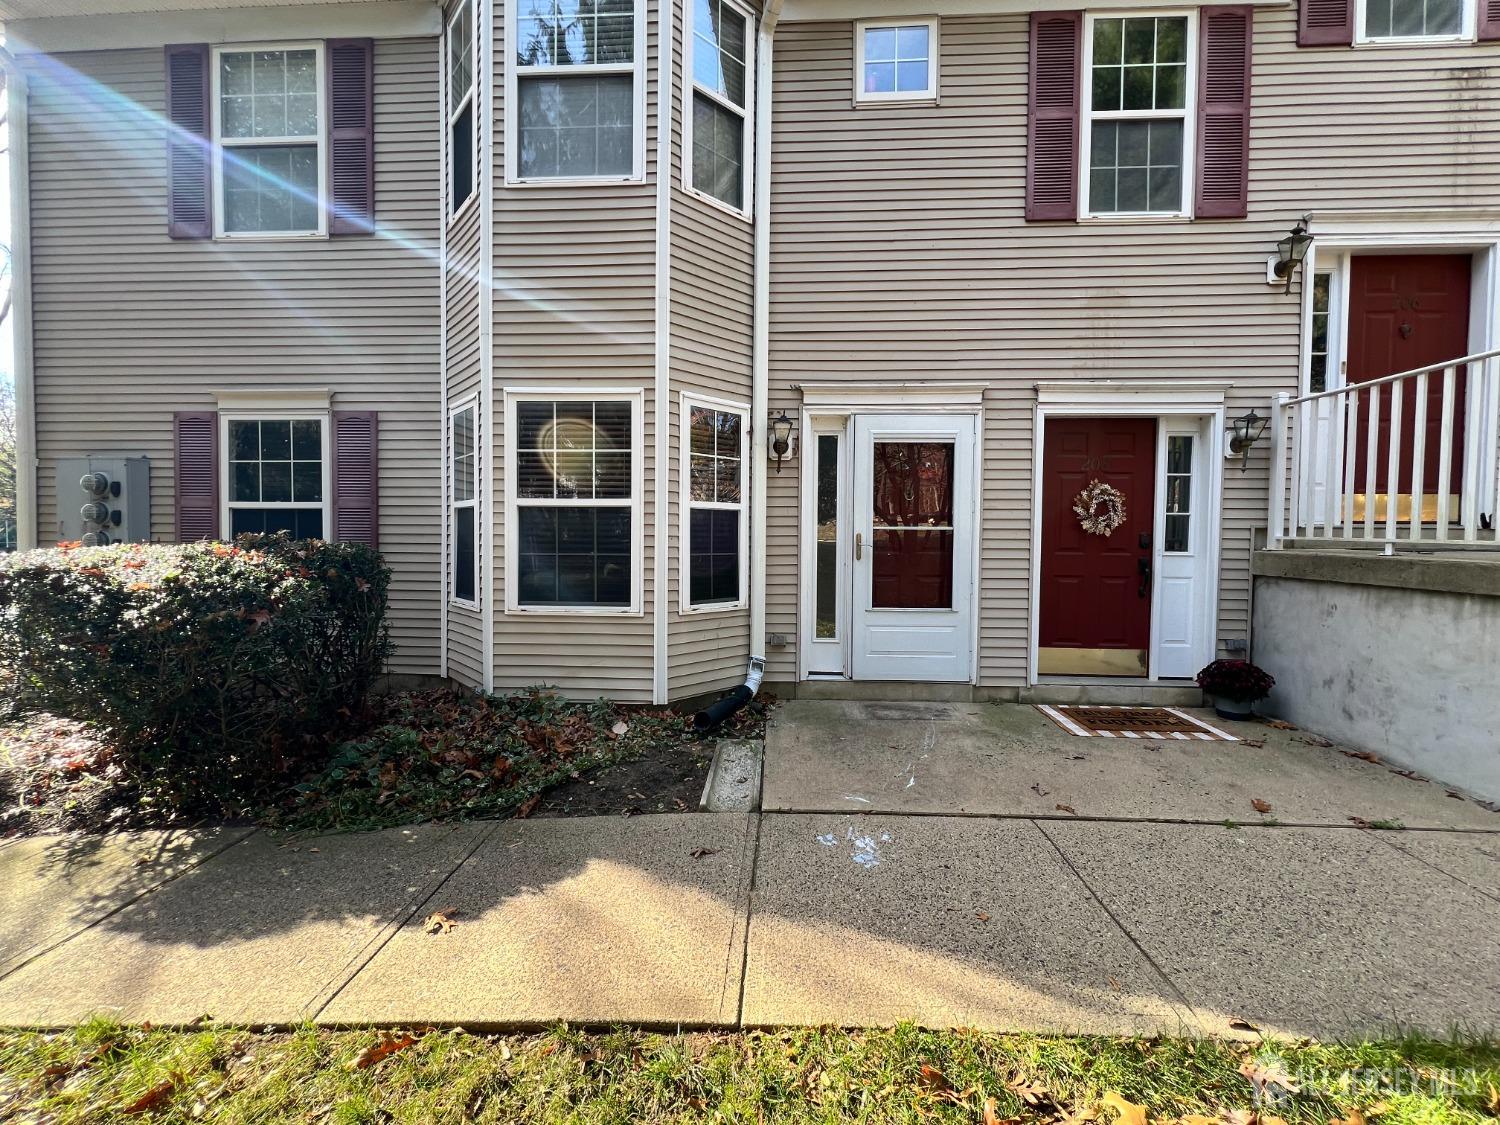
column 1090, row 518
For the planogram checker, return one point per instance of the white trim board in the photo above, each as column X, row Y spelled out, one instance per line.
column 894, row 395
column 798, row 10
column 378, row 19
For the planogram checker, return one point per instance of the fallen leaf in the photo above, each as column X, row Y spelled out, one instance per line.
column 384, row 1049
column 1038, row 790
column 1410, row 775
column 1069, row 809
column 528, row 806
column 1313, row 740
column 1280, row 724
column 1493, row 1105
column 1255, row 742
column 1265, row 1075
column 1196, row 1119
column 1362, row 755
column 1260, row 806
column 1455, row 795
column 1237, row 1024
column 933, row 1079
column 152, row 1097
column 981, row 915
column 1033, row 1094
column 1359, row 822
column 1130, row 1113
column 619, row 729
column 1355, row 1117
column 699, row 853
column 1115, row 984
column 991, row 1112
column 440, row 921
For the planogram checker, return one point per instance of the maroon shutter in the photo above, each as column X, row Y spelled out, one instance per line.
column 188, row 213
column 1052, row 116
column 196, row 470
column 1223, row 113
column 1325, row 23
column 1489, row 19
column 356, row 477
column 351, row 136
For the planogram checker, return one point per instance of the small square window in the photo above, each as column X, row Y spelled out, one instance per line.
column 895, row 61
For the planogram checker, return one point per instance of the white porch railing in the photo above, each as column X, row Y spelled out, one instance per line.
column 1410, row 458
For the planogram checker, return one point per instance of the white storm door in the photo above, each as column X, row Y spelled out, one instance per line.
column 913, row 515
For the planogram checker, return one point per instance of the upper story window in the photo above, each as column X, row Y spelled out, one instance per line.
column 1137, row 96
column 719, row 121
column 268, row 128
column 576, row 74
column 460, row 106
column 1414, row 19
column 895, row 61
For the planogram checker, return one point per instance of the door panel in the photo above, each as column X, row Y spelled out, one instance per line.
column 1407, row 311
column 1095, row 611
column 913, row 565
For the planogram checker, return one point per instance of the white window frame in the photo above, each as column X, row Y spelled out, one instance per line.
column 1468, row 29
column 636, row 396
column 470, row 99
column 220, row 145
column 862, row 97
column 691, row 89
column 686, row 504
column 454, row 504
column 1188, row 113
column 271, row 414
column 514, row 72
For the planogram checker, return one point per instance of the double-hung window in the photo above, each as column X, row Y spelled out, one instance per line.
column 713, row 504
column 463, row 491
column 575, row 522
column 896, row 61
column 1137, row 122
column 276, row 474
column 1395, row 20
column 719, row 117
column 460, row 105
column 577, row 90
column 270, row 169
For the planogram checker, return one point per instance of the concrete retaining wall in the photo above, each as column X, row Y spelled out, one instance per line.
column 1377, row 654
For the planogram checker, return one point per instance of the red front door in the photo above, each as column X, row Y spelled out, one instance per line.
column 1406, row 311
column 1095, row 613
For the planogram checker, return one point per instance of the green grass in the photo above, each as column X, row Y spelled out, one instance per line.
column 98, row 1072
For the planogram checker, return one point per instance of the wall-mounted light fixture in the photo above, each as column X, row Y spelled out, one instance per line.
column 781, row 438
column 1244, row 432
column 1289, row 254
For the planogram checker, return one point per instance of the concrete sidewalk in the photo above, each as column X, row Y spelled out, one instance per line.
column 729, row 919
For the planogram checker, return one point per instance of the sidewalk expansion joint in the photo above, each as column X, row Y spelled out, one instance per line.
column 1427, row 863
column 1084, row 818
column 739, row 1010
column 151, row 890
column 1124, row 929
column 399, row 919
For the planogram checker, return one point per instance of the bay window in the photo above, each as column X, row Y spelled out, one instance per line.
column 1137, row 121
column 718, row 121
column 267, row 108
column 576, row 88
column 574, row 534
column 463, row 492
column 460, row 106
column 713, row 504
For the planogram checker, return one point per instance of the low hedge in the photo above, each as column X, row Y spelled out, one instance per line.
column 216, row 671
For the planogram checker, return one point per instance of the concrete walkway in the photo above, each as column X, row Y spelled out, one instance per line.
column 1012, row 921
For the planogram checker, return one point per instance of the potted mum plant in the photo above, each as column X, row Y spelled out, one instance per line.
column 1235, row 686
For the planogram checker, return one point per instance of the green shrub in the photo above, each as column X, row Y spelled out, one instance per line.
column 215, row 671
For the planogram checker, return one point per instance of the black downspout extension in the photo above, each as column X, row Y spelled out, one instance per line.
column 711, row 716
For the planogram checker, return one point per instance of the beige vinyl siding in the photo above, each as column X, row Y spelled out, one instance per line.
column 465, row 625
column 131, row 326
column 899, row 251
column 574, row 306
column 712, row 280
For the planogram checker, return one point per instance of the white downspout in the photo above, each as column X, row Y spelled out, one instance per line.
column 20, row 300
column 760, row 344
column 661, row 396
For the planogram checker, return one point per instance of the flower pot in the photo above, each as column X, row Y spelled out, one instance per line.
column 1232, row 708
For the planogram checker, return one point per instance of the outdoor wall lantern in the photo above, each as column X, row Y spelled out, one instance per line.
column 781, row 438
column 1244, row 432
column 1289, row 254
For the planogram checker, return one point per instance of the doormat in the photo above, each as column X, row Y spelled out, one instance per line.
column 1164, row 724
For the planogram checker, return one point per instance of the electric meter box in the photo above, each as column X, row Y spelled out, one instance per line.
column 103, row 500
